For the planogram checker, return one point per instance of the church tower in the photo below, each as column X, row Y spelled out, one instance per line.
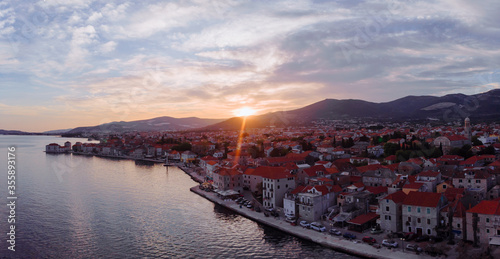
column 467, row 129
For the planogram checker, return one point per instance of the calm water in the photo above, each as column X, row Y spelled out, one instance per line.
column 86, row 207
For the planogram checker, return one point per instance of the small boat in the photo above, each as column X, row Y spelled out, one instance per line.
column 167, row 163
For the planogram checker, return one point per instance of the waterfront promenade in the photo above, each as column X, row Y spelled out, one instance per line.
column 323, row 238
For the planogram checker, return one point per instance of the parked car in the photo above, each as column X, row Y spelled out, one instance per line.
column 376, row 231
column 335, row 232
column 422, row 238
column 249, row 205
column 304, row 224
column 369, row 240
column 389, row 243
column 318, row 227
column 408, row 236
column 414, row 248
column 349, row 235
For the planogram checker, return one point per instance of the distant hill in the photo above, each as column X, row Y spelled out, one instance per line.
column 61, row 131
column 14, row 132
column 453, row 107
column 156, row 124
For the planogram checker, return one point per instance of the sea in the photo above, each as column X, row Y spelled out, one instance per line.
column 74, row 206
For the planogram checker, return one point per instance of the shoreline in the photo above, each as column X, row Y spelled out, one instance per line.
column 322, row 238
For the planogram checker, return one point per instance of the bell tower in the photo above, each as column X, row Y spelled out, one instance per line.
column 467, row 129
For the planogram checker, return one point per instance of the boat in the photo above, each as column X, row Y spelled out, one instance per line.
column 167, row 163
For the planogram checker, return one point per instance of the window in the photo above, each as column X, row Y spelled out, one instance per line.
column 409, row 219
column 487, row 220
column 488, row 230
column 409, row 208
column 418, row 220
column 458, row 225
column 478, row 181
column 387, row 208
column 428, row 221
column 418, row 209
column 428, row 210
column 387, row 217
column 428, row 231
column 444, row 186
column 460, row 180
column 409, row 229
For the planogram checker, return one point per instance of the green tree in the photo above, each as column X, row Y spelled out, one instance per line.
column 390, row 149
column 476, row 142
column 182, row 147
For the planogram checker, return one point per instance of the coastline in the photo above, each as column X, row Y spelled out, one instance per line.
column 321, row 238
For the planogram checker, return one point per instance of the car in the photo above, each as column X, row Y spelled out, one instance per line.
column 376, row 231
column 414, row 248
column 408, row 236
column 389, row 243
column 349, row 235
column 369, row 240
column 422, row 238
column 290, row 219
column 249, row 206
column 318, row 227
column 304, row 224
column 335, row 232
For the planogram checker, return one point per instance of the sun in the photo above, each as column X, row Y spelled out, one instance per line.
column 244, row 111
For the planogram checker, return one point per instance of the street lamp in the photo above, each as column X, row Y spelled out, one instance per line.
column 403, row 243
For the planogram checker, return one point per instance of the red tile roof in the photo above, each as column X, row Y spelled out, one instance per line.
column 362, row 219
column 397, row 197
column 429, row 174
column 299, row 189
column 415, row 186
column 422, row 199
column 363, row 169
column 271, row 172
column 486, row 207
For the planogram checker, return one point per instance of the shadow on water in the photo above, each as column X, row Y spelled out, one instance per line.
column 225, row 214
column 144, row 163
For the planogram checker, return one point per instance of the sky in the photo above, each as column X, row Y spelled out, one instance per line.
column 70, row 63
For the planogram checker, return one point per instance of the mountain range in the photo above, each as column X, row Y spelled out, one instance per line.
column 448, row 108
column 156, row 124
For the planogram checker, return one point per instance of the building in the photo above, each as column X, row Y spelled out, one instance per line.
column 390, row 211
column 227, row 179
column 488, row 222
column 275, row 183
column 478, row 182
column 421, row 212
column 313, row 202
column 188, row 156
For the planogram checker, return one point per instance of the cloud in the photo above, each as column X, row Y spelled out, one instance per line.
column 209, row 57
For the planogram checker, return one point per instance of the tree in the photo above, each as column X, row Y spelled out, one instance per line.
column 182, row 147
column 390, row 149
column 476, row 142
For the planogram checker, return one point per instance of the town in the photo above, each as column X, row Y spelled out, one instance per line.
column 422, row 184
